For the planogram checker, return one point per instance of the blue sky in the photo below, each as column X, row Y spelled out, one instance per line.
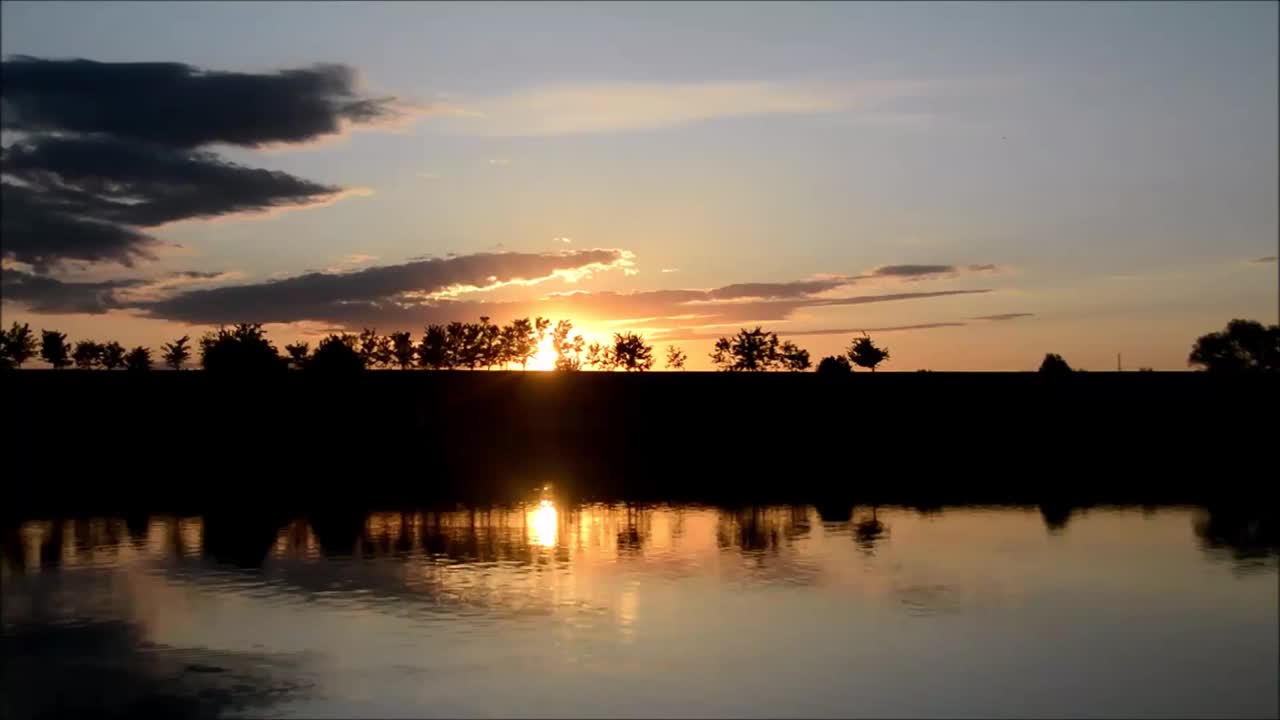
column 1116, row 161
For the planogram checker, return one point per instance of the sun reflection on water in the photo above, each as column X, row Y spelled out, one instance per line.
column 543, row 521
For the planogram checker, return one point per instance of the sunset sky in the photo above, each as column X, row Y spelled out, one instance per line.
column 973, row 184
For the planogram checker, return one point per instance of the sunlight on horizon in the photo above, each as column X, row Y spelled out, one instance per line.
column 543, row 521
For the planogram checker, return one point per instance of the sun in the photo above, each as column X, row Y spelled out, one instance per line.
column 545, row 357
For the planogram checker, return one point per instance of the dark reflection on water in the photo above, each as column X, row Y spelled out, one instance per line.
column 628, row 609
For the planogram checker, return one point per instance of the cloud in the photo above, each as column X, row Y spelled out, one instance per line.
column 408, row 296
column 601, row 107
column 1267, row 259
column 818, row 331
column 107, row 149
column 1005, row 316
column 334, row 296
column 564, row 240
column 669, row 270
column 40, row 231
column 499, row 162
column 48, row 295
column 130, row 183
column 183, row 106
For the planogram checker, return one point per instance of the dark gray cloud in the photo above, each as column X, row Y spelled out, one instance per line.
column 911, row 271
column 183, row 106
column 1004, row 316
column 819, row 331
column 132, row 183
column 771, row 291
column 390, row 288
column 39, row 230
column 49, row 296
column 396, row 297
column 108, row 148
column 1267, row 259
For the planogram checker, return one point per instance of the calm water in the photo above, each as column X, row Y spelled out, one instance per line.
column 545, row 609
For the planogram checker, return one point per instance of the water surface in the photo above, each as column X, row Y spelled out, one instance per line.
column 548, row 609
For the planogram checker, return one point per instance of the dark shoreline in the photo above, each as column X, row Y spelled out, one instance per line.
column 120, row 441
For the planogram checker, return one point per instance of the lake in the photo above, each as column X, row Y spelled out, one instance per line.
column 545, row 608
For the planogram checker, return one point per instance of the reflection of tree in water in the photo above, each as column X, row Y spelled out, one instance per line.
column 868, row 531
column 751, row 530
column 633, row 530
column 834, row 511
column 1056, row 516
column 107, row 669
column 1250, row 535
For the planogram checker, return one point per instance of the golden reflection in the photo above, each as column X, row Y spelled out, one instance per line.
column 544, row 522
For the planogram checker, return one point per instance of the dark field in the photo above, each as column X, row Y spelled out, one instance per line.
column 103, row 439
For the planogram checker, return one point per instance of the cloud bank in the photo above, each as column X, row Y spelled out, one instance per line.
column 108, row 150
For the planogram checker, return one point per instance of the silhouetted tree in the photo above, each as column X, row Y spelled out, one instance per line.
column 834, row 365
column 298, row 354
column 434, row 351
column 176, row 353
column 87, row 354
column 54, row 349
column 675, row 358
column 793, row 357
column 489, row 340
column 402, row 351
column 243, row 348
column 138, row 359
column 568, row 350
column 113, row 355
column 1053, row 364
column 598, row 356
column 374, row 349
column 337, row 354
column 519, row 342
column 1244, row 346
column 17, row 345
column 864, row 353
column 630, row 352
column 748, row 351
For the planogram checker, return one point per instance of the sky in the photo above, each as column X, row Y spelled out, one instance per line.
column 972, row 184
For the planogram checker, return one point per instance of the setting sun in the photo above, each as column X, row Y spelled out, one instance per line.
column 545, row 358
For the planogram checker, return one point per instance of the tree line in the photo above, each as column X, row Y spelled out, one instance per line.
column 1243, row 346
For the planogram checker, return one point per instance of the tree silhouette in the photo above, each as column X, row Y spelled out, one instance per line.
column 793, row 357
column 630, row 352
column 489, row 341
column 298, row 353
column 519, row 342
column 402, row 350
column 242, row 349
column 138, row 359
column 598, row 356
column 17, row 345
column 1053, row 364
column 864, row 353
column 834, row 365
column 337, row 354
column 1244, row 346
column 54, row 349
column 675, row 358
column 748, row 351
column 113, row 355
column 87, row 354
column 568, row 351
column 374, row 349
column 176, row 353
column 434, row 351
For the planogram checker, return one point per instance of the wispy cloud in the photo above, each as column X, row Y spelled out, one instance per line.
column 1004, row 316
column 602, row 107
column 670, row 270
column 1267, row 259
column 499, row 161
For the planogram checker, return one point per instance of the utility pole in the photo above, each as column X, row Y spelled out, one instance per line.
column 1118, row 367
